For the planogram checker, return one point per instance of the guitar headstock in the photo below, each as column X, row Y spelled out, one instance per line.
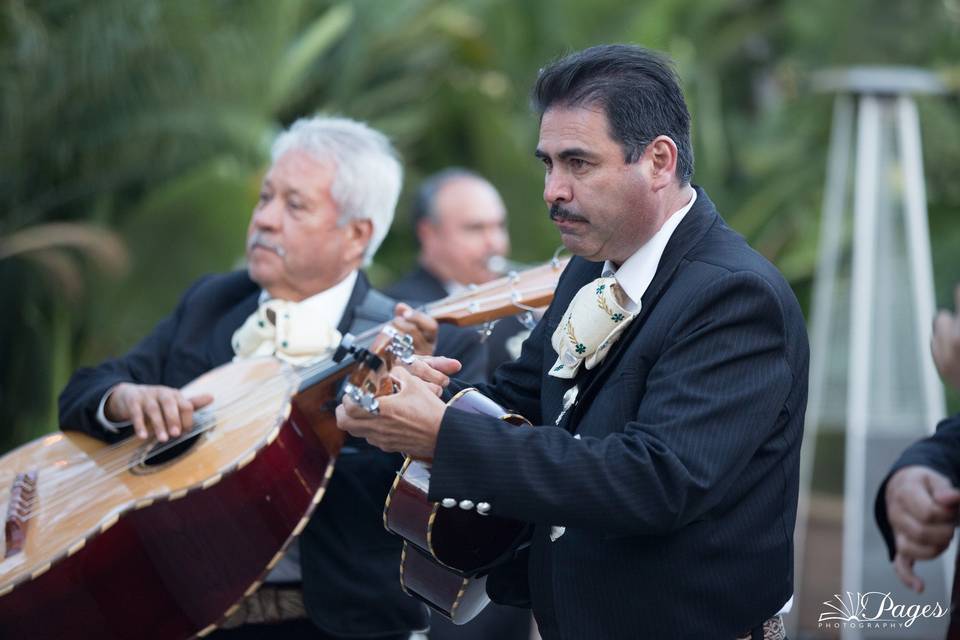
column 371, row 377
column 512, row 294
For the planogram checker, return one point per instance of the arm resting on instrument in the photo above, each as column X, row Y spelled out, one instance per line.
column 80, row 400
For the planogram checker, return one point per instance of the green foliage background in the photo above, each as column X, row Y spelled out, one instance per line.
column 146, row 126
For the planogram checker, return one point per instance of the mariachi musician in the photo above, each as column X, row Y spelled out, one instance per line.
column 326, row 204
column 667, row 380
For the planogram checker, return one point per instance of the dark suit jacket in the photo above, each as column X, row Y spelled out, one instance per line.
column 940, row 452
column 421, row 286
column 349, row 562
column 680, row 499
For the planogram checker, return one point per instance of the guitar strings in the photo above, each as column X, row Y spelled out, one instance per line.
column 241, row 400
column 119, row 457
column 128, row 456
column 125, row 453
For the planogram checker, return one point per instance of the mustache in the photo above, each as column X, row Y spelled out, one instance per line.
column 559, row 214
column 259, row 239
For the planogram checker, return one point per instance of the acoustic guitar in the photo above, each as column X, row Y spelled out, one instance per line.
column 447, row 550
column 149, row 540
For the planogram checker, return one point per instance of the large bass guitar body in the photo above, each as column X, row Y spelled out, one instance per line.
column 147, row 540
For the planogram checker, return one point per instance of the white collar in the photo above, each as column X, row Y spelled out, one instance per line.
column 330, row 304
column 637, row 271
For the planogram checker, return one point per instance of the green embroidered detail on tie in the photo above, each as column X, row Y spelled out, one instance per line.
column 571, row 334
column 592, row 322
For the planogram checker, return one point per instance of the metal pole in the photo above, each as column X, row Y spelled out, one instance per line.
column 861, row 298
column 831, row 244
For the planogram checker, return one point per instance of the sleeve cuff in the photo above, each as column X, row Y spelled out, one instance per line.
column 109, row 425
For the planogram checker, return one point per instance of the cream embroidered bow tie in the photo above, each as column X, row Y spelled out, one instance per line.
column 591, row 324
column 288, row 330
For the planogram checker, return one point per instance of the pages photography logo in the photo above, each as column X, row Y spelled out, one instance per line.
column 874, row 610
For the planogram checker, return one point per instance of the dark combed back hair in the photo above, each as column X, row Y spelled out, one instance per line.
column 638, row 90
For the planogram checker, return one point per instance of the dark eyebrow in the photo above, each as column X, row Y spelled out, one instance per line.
column 575, row 152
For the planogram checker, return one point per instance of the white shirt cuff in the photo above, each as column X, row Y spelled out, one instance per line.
column 787, row 606
column 109, row 425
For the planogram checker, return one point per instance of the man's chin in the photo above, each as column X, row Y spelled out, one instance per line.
column 260, row 273
column 575, row 245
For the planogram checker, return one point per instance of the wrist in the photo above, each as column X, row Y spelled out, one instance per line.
column 112, row 406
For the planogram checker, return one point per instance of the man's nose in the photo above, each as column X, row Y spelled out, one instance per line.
column 268, row 214
column 556, row 188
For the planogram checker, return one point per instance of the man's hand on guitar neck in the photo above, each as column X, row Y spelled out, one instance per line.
column 408, row 421
column 433, row 370
column 163, row 410
column 418, row 325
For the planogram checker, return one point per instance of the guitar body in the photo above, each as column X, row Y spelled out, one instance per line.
column 100, row 545
column 445, row 549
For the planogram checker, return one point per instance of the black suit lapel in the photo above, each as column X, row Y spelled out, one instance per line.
column 431, row 286
column 578, row 273
column 220, row 350
column 356, row 299
column 698, row 220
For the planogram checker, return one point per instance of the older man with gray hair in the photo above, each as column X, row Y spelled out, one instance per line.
column 325, row 205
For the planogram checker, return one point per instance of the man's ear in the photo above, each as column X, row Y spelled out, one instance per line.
column 662, row 154
column 426, row 232
column 358, row 235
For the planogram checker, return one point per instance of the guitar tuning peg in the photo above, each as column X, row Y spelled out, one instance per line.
column 401, row 345
column 527, row 320
column 486, row 329
column 365, row 399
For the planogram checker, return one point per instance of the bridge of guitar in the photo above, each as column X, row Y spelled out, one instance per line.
column 23, row 493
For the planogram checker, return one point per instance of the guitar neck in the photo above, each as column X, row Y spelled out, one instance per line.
column 510, row 295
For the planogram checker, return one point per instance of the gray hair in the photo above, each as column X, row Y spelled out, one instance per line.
column 368, row 178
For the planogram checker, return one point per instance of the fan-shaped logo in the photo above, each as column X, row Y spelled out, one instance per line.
column 874, row 609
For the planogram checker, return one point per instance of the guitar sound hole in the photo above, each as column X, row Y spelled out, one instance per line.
column 164, row 452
